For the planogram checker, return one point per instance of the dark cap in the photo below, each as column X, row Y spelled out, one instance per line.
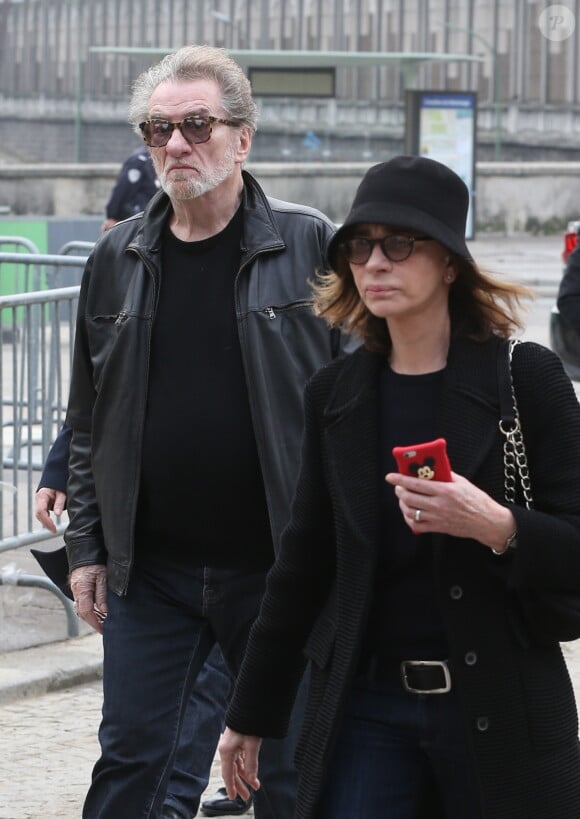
column 415, row 193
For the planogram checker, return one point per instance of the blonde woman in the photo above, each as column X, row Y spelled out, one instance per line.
column 430, row 612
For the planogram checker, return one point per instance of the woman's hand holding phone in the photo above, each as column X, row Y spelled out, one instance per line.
column 427, row 462
column 432, row 498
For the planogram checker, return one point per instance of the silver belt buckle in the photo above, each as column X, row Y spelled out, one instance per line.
column 423, row 663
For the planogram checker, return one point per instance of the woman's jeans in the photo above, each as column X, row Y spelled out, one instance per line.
column 400, row 756
column 155, row 642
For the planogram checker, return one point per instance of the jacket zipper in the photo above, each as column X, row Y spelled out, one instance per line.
column 254, row 410
column 150, row 270
column 271, row 311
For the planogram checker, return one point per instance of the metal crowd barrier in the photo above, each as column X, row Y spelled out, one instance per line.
column 76, row 247
column 15, row 242
column 19, row 277
column 36, row 343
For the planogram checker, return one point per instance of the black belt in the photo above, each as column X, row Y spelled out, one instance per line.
column 416, row 676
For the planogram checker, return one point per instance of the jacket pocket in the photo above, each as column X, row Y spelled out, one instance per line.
column 548, row 698
column 319, row 650
column 320, row 644
column 113, row 337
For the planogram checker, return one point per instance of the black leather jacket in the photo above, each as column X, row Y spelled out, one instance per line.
column 282, row 343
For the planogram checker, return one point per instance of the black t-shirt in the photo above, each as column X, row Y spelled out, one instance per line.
column 202, row 499
column 405, row 620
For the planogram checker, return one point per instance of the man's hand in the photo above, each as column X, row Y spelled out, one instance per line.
column 108, row 223
column 89, row 587
column 46, row 501
column 239, row 759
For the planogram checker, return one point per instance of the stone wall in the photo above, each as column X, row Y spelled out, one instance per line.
column 510, row 197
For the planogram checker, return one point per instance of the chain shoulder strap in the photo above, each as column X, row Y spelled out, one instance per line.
column 514, row 450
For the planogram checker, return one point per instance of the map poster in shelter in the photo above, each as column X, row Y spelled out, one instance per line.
column 442, row 126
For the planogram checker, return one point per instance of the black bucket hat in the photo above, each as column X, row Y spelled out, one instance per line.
column 411, row 192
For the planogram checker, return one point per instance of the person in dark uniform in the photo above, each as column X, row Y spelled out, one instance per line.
column 569, row 291
column 135, row 185
column 565, row 317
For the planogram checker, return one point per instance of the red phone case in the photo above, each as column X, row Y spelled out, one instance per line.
column 428, row 461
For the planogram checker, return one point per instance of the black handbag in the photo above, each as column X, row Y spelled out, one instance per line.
column 549, row 615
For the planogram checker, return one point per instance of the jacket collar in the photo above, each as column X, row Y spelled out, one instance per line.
column 356, row 381
column 468, row 413
column 260, row 229
column 351, row 432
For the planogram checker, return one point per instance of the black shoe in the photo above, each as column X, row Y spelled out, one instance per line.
column 221, row 805
column 170, row 813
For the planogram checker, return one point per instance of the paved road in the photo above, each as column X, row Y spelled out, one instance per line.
column 48, row 746
column 49, row 713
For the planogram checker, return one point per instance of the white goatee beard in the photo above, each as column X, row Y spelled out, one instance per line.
column 187, row 186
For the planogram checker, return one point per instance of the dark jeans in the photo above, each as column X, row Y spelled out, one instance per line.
column 200, row 733
column 156, row 640
column 400, row 756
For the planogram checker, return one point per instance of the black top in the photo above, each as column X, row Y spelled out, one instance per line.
column 405, row 621
column 202, row 498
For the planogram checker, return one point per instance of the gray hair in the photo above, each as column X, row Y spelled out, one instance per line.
column 197, row 62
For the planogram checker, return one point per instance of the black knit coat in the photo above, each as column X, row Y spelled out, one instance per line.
column 504, row 616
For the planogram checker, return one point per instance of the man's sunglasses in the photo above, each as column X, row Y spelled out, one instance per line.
column 158, row 132
column 396, row 248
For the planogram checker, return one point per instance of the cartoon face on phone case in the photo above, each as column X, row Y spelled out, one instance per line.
column 425, row 470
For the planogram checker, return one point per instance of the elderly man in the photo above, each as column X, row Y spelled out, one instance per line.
column 204, row 718
column 195, row 337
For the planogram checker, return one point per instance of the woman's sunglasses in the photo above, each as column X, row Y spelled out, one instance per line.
column 396, row 248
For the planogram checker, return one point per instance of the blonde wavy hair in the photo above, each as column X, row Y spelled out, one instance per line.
column 480, row 304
